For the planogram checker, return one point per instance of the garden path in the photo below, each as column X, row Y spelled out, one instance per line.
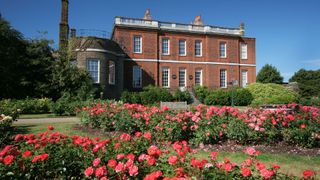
column 48, row 120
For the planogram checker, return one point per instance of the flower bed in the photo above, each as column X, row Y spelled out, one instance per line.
column 210, row 124
column 55, row 156
column 5, row 129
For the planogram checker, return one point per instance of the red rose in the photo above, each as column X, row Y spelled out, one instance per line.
column 120, row 167
column 303, row 126
column 308, row 173
column 151, row 161
column 147, row 135
column 88, row 172
column 125, row 137
column 260, row 166
column 173, row 160
column 133, row 171
column 245, row 172
column 275, row 167
column 227, row 166
column 120, row 156
column 99, row 172
column 50, row 128
column 131, row 156
column 267, row 174
column 26, row 154
column 96, row 162
column 214, row 155
column 112, row 163
column 138, row 134
column 8, row 160
column 251, row 151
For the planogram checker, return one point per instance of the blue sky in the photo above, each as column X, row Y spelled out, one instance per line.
column 287, row 32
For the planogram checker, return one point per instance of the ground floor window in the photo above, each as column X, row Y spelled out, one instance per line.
column 198, row 77
column 244, row 78
column 136, row 77
column 165, row 77
column 182, row 77
column 223, row 78
column 112, row 74
column 93, row 67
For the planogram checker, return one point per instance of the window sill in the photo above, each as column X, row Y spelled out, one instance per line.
column 182, row 55
column 165, row 54
column 137, row 52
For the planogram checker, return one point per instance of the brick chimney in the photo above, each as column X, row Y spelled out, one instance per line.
column 64, row 27
column 147, row 15
column 198, row 21
column 241, row 29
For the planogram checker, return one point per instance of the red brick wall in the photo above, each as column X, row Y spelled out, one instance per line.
column 151, row 49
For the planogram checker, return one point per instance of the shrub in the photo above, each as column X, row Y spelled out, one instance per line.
column 313, row 101
column 131, row 97
column 5, row 129
column 10, row 108
column 271, row 94
column 242, row 97
column 218, row 97
column 201, row 93
column 67, row 105
column 182, row 96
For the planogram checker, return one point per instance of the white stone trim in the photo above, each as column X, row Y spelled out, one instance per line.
column 190, row 62
column 100, row 50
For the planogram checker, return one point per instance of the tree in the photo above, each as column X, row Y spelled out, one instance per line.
column 308, row 82
column 269, row 74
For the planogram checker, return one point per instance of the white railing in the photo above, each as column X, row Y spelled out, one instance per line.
column 176, row 26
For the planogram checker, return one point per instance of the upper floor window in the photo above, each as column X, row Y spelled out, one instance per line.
column 198, row 77
column 112, row 72
column 165, row 77
column 198, row 48
column 136, row 77
column 223, row 78
column 165, row 46
column 223, row 50
column 244, row 50
column 182, row 77
column 137, row 44
column 93, row 67
column 182, row 48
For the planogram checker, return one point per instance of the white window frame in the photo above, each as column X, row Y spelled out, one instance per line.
column 112, row 77
column 134, row 44
column 185, row 47
column 93, row 59
column 134, row 84
column 225, row 80
column 195, row 48
column 168, row 46
column 185, row 77
column 225, row 50
column 168, row 78
column 195, row 77
column 246, row 78
column 244, row 50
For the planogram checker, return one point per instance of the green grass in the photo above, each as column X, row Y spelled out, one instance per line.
column 38, row 116
column 290, row 164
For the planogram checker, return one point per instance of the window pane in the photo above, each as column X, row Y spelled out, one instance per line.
column 223, row 78
column 182, row 77
column 165, row 77
column 244, row 78
column 93, row 69
column 198, row 48
column 182, row 47
column 223, row 50
column 137, row 44
column 165, row 46
column 198, row 77
column 244, row 51
column 136, row 78
column 112, row 74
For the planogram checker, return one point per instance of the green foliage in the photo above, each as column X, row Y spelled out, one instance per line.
column 269, row 74
column 313, row 101
column 271, row 94
column 201, row 93
column 242, row 97
column 218, row 97
column 182, row 96
column 308, row 82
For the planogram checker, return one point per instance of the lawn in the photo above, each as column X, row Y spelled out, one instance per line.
column 290, row 164
column 38, row 116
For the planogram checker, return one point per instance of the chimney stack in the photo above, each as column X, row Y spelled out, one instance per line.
column 73, row 32
column 64, row 27
column 147, row 15
column 241, row 29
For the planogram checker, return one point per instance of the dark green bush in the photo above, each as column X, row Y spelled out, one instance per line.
column 242, row 97
column 67, row 105
column 218, row 97
column 182, row 96
column 131, row 97
column 314, row 101
column 201, row 93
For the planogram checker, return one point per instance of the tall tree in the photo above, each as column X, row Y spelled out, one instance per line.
column 308, row 82
column 269, row 74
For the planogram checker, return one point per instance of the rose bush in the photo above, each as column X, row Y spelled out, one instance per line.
column 52, row 155
column 210, row 124
column 5, row 129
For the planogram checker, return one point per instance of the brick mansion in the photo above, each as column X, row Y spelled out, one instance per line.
column 144, row 51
